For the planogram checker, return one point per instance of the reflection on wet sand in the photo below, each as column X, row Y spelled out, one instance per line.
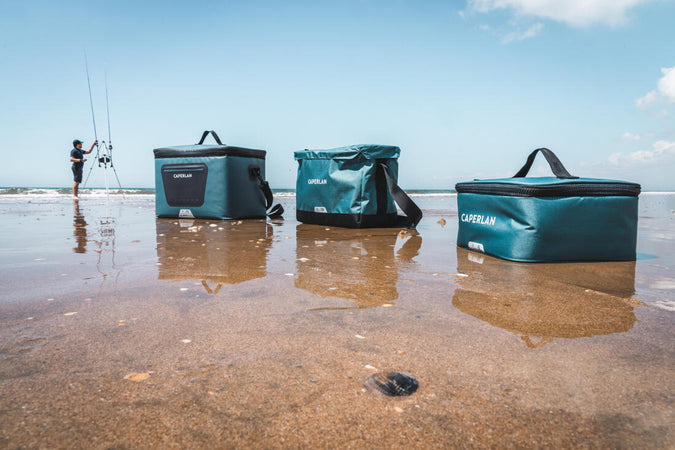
column 361, row 266
column 541, row 302
column 79, row 229
column 214, row 252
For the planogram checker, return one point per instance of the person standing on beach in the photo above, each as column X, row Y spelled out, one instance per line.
column 78, row 159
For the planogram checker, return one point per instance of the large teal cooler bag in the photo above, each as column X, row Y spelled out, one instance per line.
column 354, row 186
column 212, row 181
column 548, row 219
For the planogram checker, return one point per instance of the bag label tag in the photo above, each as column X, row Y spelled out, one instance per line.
column 476, row 246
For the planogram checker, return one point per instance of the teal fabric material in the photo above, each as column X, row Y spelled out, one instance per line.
column 367, row 151
column 532, row 229
column 342, row 180
column 229, row 194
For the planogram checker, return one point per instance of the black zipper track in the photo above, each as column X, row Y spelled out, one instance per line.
column 551, row 190
column 169, row 152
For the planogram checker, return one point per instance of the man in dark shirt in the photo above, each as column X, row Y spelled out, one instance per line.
column 78, row 159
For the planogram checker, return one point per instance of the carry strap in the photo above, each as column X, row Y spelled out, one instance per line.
column 403, row 201
column 556, row 166
column 277, row 210
column 208, row 288
column 206, row 133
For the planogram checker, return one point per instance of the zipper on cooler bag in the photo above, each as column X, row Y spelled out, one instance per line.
column 551, row 190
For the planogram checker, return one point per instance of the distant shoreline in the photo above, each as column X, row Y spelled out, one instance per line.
column 64, row 191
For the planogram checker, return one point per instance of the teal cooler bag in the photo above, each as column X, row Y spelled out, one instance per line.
column 212, row 181
column 354, row 187
column 548, row 219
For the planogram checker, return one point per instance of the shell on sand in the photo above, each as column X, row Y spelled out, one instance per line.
column 137, row 376
column 392, row 384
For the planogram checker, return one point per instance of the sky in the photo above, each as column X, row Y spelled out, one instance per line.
column 467, row 89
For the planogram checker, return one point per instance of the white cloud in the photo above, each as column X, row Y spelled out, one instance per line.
column 661, row 150
column 666, row 84
column 665, row 90
column 571, row 12
column 520, row 35
column 648, row 100
column 627, row 136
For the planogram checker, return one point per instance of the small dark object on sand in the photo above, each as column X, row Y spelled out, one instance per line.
column 393, row 384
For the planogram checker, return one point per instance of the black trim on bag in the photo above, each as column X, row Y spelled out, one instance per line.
column 226, row 150
column 348, row 220
column 572, row 189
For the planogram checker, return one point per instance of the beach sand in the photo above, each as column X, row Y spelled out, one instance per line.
column 122, row 330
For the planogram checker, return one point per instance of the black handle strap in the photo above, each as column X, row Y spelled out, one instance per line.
column 404, row 202
column 556, row 166
column 273, row 212
column 206, row 133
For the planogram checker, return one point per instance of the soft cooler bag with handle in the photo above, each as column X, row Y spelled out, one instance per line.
column 561, row 218
column 212, row 181
column 353, row 187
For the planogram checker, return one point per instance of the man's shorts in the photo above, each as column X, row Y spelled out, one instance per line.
column 77, row 174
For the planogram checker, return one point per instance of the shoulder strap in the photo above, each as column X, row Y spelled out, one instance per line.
column 404, row 202
column 273, row 212
column 276, row 211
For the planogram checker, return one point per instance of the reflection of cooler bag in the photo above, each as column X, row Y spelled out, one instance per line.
column 190, row 250
column 352, row 187
column 358, row 265
column 561, row 218
column 212, row 181
column 541, row 302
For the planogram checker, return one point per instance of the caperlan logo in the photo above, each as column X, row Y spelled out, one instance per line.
column 479, row 219
column 317, row 181
column 182, row 175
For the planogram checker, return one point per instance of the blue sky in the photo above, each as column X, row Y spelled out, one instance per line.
column 466, row 89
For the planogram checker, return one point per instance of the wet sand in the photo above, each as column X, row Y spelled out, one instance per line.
column 121, row 330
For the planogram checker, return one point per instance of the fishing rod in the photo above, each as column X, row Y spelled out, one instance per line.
column 104, row 156
column 107, row 108
column 110, row 147
column 93, row 116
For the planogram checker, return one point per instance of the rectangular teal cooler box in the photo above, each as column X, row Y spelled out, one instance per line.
column 211, row 181
column 549, row 219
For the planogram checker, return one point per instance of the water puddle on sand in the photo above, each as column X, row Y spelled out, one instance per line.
column 266, row 333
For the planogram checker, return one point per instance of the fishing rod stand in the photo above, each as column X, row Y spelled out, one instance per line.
column 105, row 160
